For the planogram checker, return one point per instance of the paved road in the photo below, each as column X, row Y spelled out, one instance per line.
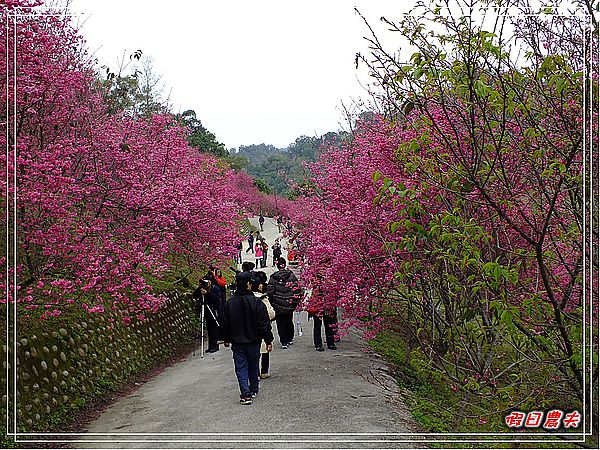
column 345, row 391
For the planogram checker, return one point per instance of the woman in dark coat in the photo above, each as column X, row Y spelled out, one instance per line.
column 284, row 295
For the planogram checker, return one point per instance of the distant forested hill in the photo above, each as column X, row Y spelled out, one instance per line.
column 275, row 168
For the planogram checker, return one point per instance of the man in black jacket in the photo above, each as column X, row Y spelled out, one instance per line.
column 245, row 324
column 284, row 295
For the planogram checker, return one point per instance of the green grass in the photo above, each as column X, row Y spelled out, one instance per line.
column 438, row 408
column 423, row 394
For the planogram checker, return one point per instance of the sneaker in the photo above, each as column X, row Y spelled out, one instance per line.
column 332, row 347
column 265, row 375
column 254, row 394
column 320, row 349
column 246, row 401
column 284, row 346
column 290, row 343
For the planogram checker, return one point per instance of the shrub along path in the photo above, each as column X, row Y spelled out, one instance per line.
column 347, row 391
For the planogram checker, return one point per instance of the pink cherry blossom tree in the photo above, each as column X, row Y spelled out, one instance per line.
column 459, row 216
column 99, row 201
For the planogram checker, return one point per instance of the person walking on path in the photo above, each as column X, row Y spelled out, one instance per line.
column 276, row 251
column 250, row 242
column 279, row 223
column 208, row 297
column 260, row 293
column 261, row 221
column 238, row 255
column 284, row 295
column 328, row 318
column 265, row 248
column 258, row 253
column 245, row 324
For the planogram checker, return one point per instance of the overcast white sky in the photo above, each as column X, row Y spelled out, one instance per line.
column 254, row 71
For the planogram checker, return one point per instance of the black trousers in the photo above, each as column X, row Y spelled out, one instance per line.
column 285, row 327
column 213, row 330
column 264, row 363
column 330, row 322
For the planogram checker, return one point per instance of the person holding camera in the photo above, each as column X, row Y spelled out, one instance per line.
column 208, row 297
column 215, row 275
column 285, row 295
column 245, row 324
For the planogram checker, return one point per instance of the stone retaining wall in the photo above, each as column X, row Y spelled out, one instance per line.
column 59, row 371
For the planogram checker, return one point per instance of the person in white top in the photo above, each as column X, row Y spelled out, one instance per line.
column 260, row 293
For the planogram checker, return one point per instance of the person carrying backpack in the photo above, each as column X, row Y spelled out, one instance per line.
column 285, row 295
column 261, row 221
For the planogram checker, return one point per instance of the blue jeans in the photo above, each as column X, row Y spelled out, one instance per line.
column 245, row 360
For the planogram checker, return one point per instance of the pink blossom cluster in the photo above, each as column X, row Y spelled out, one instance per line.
column 343, row 229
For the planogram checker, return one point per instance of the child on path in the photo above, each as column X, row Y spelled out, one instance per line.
column 258, row 253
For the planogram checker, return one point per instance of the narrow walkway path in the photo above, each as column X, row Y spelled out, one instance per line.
column 343, row 391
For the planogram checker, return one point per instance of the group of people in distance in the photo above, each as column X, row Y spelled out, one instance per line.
column 244, row 320
column 260, row 248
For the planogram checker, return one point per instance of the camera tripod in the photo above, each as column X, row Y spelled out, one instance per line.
column 199, row 334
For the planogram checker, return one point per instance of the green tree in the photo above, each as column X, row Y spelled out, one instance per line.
column 135, row 88
column 262, row 186
column 200, row 137
column 305, row 148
